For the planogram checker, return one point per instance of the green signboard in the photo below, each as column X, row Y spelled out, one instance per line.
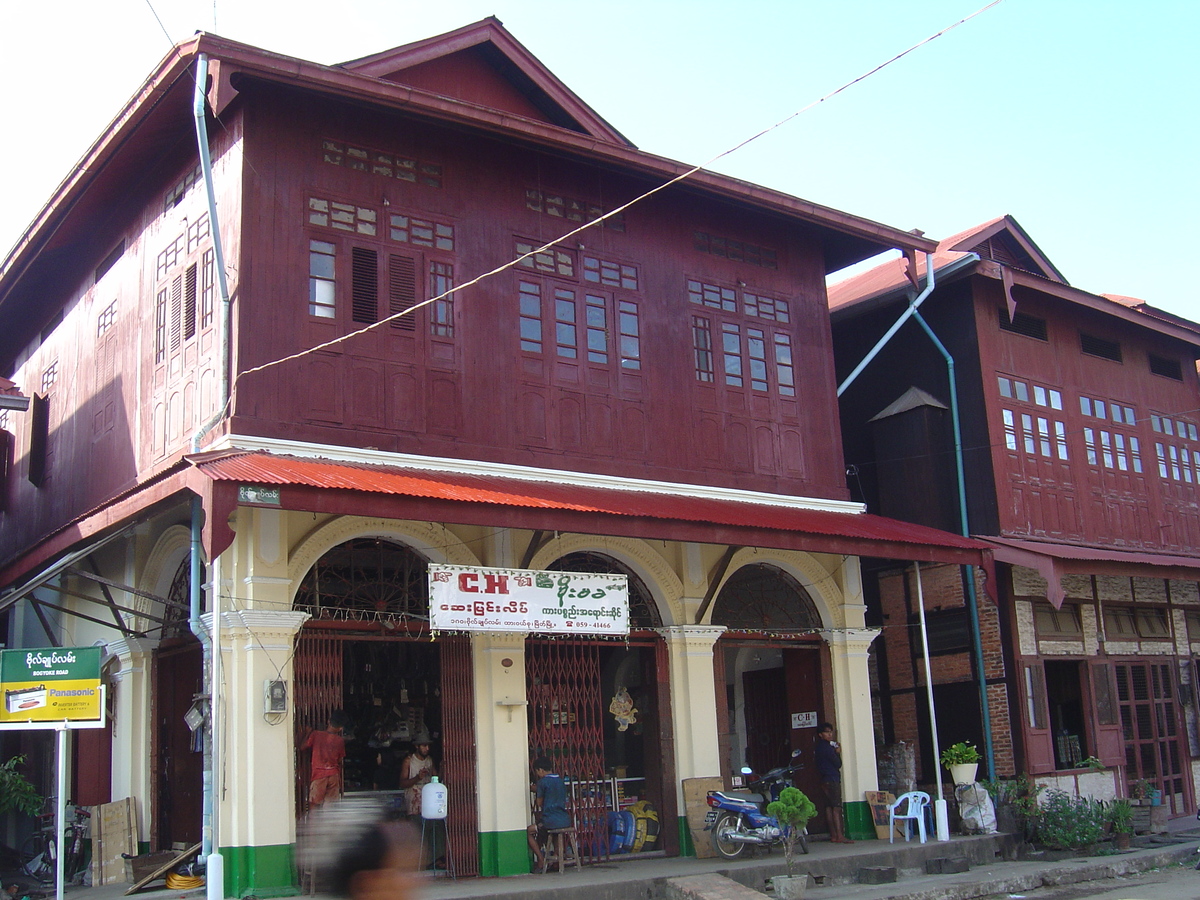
column 53, row 684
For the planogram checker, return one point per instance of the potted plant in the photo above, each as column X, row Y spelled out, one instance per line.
column 792, row 811
column 962, row 760
column 1120, row 816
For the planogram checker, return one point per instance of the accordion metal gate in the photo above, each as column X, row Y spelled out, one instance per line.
column 319, row 686
column 566, row 725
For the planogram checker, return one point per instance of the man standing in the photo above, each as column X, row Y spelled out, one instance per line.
column 325, row 770
column 829, row 768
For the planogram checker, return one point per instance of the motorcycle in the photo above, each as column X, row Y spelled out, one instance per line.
column 738, row 819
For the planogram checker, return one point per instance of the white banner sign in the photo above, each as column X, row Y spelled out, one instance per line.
column 467, row 598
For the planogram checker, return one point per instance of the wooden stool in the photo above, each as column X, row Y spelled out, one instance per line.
column 555, row 836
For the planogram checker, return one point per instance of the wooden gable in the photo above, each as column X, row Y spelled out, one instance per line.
column 1006, row 242
column 482, row 64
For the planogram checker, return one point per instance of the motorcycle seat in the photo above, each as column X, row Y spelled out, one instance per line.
column 749, row 796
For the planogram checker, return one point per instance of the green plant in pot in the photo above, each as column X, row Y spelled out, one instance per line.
column 1120, row 816
column 962, row 761
column 792, row 810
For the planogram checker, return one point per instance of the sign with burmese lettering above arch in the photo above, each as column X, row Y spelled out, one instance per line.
column 470, row 598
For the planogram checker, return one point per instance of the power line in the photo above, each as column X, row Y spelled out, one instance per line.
column 611, row 213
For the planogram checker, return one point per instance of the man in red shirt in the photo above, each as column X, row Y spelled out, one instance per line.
column 325, row 771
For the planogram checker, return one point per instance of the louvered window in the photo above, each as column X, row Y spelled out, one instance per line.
column 1095, row 346
column 402, row 290
column 1030, row 326
column 184, row 275
column 364, row 285
column 1168, row 368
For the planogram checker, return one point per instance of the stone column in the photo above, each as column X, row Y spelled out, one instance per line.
column 855, row 724
column 502, row 751
column 256, row 813
column 132, row 685
column 693, row 710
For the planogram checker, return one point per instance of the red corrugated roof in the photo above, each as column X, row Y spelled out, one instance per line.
column 258, row 467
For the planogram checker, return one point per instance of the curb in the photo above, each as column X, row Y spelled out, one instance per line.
column 967, row 889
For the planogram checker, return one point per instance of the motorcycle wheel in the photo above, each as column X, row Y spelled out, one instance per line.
column 720, row 836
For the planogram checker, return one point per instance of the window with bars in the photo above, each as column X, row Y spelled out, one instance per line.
column 752, row 355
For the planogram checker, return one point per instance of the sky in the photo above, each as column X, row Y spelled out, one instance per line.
column 1077, row 117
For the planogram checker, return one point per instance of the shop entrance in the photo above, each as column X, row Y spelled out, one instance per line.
column 601, row 713
column 391, row 689
column 367, row 651
column 770, row 671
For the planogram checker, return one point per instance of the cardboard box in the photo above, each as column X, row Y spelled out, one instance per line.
column 879, row 801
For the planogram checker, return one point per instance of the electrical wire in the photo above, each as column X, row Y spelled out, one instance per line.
column 608, row 215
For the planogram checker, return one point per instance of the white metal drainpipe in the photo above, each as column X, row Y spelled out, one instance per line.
column 972, row 599
column 214, row 864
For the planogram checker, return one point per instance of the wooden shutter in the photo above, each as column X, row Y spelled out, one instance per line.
column 402, row 290
column 1035, row 719
column 364, row 285
column 39, row 438
column 1106, row 716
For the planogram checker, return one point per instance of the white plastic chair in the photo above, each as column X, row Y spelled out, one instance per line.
column 914, row 804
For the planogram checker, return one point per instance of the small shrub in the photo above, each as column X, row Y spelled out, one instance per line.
column 16, row 792
column 1065, row 822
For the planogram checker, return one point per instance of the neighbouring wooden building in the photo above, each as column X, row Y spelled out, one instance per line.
column 366, row 386
column 1081, row 467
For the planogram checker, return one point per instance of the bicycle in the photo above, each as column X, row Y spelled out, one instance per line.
column 39, row 852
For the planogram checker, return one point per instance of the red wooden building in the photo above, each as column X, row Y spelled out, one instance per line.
column 1078, row 435
column 397, row 370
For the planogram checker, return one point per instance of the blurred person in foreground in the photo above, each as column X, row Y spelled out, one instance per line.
column 354, row 850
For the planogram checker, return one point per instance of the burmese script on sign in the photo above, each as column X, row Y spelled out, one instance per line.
column 469, row 598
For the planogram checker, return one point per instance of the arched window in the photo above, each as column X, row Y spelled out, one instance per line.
column 366, row 579
column 762, row 597
column 175, row 613
column 643, row 613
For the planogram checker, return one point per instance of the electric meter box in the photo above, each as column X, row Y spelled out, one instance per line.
column 275, row 696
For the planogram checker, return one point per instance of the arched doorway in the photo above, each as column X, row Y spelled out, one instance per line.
column 771, row 662
column 368, row 651
column 572, row 684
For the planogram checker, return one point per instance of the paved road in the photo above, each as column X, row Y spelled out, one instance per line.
column 1174, row 883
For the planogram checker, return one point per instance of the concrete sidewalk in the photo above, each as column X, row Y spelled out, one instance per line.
column 835, row 870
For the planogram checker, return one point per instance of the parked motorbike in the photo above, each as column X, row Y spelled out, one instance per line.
column 738, row 819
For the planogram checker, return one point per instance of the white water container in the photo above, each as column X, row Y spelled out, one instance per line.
column 433, row 800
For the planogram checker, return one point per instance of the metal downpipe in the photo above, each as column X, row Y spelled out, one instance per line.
column 972, row 597
column 930, row 280
column 214, row 863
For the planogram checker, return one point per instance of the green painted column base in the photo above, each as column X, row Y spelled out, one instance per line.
column 504, row 853
column 860, row 826
column 686, row 847
column 260, row 871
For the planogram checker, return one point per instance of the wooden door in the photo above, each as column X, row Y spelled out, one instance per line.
column 179, row 800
